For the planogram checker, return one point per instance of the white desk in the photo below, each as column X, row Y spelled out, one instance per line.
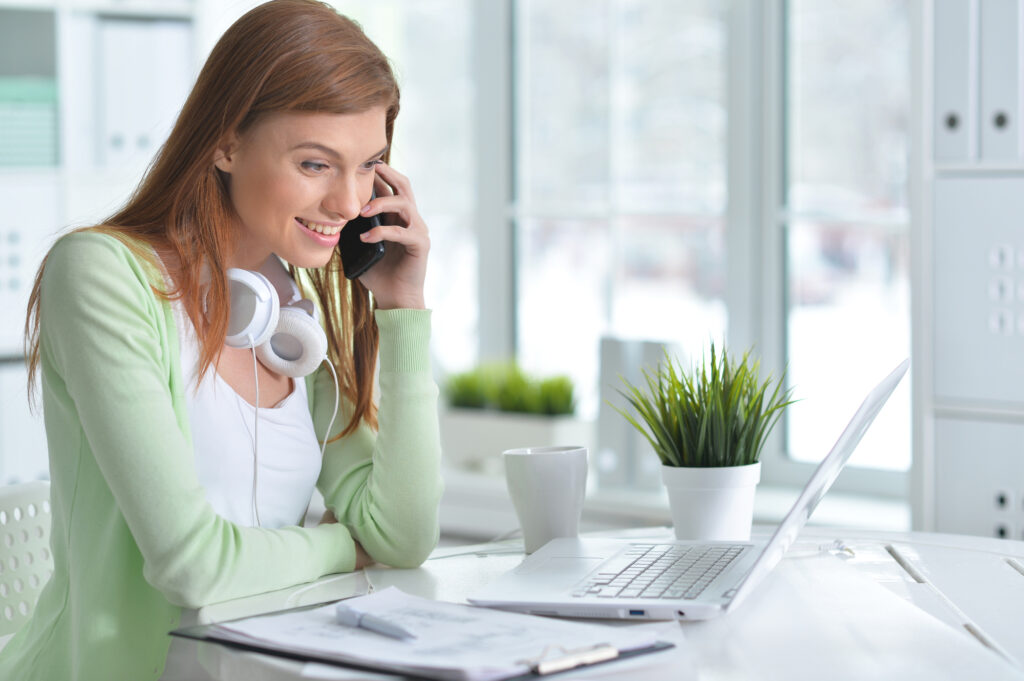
column 958, row 612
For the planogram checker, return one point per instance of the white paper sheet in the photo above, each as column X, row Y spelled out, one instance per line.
column 453, row 641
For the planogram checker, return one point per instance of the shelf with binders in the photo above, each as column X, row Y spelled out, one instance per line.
column 976, row 112
column 28, row 122
column 28, row 89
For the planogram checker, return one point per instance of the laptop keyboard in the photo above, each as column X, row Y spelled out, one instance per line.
column 659, row 571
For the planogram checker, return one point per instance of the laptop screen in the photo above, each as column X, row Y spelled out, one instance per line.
column 826, row 473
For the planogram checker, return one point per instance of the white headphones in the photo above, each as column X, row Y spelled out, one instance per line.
column 288, row 339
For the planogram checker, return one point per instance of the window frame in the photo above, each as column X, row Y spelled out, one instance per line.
column 756, row 215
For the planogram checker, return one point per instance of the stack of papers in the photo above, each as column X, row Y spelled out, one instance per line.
column 452, row 641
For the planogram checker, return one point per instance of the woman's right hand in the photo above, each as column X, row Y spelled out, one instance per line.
column 363, row 559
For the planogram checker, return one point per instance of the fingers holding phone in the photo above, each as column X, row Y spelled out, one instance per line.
column 395, row 278
column 357, row 255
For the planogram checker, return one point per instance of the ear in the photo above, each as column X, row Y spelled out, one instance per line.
column 224, row 155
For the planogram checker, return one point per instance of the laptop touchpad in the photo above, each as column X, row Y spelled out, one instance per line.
column 572, row 568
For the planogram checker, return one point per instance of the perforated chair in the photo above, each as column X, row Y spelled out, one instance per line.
column 25, row 560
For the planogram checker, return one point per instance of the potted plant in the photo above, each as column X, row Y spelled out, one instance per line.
column 708, row 427
column 498, row 406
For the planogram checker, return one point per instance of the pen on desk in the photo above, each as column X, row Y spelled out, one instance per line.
column 349, row 617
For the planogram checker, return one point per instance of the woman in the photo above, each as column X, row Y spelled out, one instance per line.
column 150, row 415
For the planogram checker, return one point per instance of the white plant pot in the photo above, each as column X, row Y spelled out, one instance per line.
column 712, row 504
column 473, row 439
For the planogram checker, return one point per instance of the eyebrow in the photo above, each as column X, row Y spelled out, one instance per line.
column 331, row 152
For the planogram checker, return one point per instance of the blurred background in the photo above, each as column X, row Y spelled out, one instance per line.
column 596, row 174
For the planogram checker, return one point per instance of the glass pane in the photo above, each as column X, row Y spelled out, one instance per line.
column 669, row 105
column 561, row 294
column 849, row 325
column 849, row 107
column 563, row 95
column 621, row 153
column 670, row 281
column 428, row 42
column 847, row 243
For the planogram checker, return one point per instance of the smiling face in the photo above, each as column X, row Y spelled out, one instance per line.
column 295, row 179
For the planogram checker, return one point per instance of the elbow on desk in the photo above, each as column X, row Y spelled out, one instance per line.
column 401, row 535
column 404, row 542
column 408, row 550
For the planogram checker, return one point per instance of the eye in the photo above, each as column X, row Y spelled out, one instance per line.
column 315, row 166
column 370, row 164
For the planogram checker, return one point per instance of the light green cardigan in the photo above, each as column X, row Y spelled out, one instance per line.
column 134, row 539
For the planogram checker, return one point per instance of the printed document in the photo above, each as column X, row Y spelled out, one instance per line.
column 453, row 641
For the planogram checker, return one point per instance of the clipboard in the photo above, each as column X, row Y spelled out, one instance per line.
column 305, row 634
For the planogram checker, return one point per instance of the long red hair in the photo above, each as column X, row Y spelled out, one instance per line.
column 285, row 55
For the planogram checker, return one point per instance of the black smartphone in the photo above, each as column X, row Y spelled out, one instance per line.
column 358, row 256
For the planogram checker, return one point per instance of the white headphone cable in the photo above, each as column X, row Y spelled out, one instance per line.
column 330, row 425
column 255, row 435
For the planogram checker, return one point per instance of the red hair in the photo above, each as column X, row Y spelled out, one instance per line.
column 283, row 56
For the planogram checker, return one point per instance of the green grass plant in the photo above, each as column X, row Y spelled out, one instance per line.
column 504, row 386
column 717, row 415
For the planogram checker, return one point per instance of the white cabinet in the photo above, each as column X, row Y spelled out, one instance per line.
column 23, row 454
column 981, row 473
column 979, row 289
column 969, row 302
column 31, row 208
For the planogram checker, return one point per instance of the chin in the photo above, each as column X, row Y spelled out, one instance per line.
column 307, row 261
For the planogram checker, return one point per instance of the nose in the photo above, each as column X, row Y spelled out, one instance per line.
column 343, row 201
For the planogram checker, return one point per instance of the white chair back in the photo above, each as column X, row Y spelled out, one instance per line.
column 25, row 560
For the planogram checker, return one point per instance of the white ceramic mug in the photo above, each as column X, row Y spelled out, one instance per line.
column 546, row 485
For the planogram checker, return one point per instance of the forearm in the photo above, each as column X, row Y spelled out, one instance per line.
column 386, row 486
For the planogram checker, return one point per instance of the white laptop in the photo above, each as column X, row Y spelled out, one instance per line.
column 631, row 579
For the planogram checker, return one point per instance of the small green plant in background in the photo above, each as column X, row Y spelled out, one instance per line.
column 556, row 395
column 717, row 415
column 504, row 386
column 467, row 390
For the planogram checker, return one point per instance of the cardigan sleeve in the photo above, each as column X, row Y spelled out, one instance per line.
column 108, row 352
column 385, row 486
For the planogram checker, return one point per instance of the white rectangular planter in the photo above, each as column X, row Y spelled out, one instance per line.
column 473, row 439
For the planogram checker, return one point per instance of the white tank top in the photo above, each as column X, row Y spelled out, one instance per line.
column 222, row 423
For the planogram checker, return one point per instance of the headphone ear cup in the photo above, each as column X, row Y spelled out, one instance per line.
column 254, row 309
column 297, row 346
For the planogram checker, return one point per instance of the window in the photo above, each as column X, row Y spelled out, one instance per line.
column 620, row 157
column 847, row 231
column 628, row 165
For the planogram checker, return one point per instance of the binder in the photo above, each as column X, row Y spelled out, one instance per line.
column 999, row 25
column 454, row 642
column 955, row 67
column 151, row 59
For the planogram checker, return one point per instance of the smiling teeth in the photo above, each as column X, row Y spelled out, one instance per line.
column 326, row 230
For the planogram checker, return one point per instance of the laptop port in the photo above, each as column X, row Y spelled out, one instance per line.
column 636, row 613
